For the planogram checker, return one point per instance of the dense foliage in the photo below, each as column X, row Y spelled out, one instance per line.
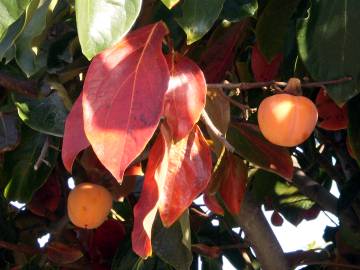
column 157, row 101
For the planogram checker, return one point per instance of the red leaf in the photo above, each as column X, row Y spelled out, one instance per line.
column 74, row 136
column 252, row 145
column 276, row 219
column 261, row 68
column 220, row 52
column 106, row 240
column 185, row 97
column 146, row 208
column 62, row 254
column 233, row 184
column 46, row 200
column 212, row 203
column 176, row 174
column 184, row 173
column 331, row 117
column 123, row 97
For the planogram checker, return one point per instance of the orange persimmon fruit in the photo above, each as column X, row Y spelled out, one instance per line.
column 287, row 120
column 88, row 205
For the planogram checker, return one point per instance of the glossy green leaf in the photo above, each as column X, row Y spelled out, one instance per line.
column 277, row 194
column 10, row 11
column 176, row 252
column 236, row 10
column 9, row 131
column 198, row 16
column 329, row 45
column 29, row 55
column 170, row 3
column 45, row 115
column 273, row 25
column 102, row 23
column 23, row 179
column 354, row 126
column 16, row 28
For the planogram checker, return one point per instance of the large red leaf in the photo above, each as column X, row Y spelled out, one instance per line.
column 252, row 145
column 331, row 117
column 220, row 52
column 123, row 97
column 233, row 183
column 175, row 175
column 185, row 97
column 74, row 136
column 261, row 68
column 188, row 167
column 146, row 208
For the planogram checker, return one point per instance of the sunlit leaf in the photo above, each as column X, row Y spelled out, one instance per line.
column 185, row 96
column 118, row 118
column 10, row 11
column 102, row 23
column 170, row 3
column 198, row 16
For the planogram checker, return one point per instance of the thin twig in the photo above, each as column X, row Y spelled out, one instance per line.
column 20, row 248
column 254, row 85
column 241, row 106
column 207, row 121
column 42, row 155
column 24, row 87
column 241, row 86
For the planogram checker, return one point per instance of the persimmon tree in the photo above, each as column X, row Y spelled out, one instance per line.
column 154, row 103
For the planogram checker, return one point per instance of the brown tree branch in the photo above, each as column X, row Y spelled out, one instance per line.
column 207, row 121
column 254, row 85
column 315, row 191
column 261, row 237
column 303, row 257
column 24, row 87
column 29, row 250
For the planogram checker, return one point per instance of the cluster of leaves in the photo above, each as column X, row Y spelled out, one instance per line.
column 98, row 90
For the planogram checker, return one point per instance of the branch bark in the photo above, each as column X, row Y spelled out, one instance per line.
column 24, row 87
column 315, row 191
column 259, row 233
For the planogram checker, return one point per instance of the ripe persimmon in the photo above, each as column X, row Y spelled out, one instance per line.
column 287, row 120
column 88, row 205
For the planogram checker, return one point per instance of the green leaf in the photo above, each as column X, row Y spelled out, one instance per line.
column 21, row 176
column 211, row 264
column 273, row 25
column 283, row 197
column 176, row 252
column 170, row 3
column 16, row 28
column 9, row 132
column 102, row 23
column 29, row 56
column 10, row 11
column 198, row 16
column 329, row 46
column 236, row 10
column 45, row 115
